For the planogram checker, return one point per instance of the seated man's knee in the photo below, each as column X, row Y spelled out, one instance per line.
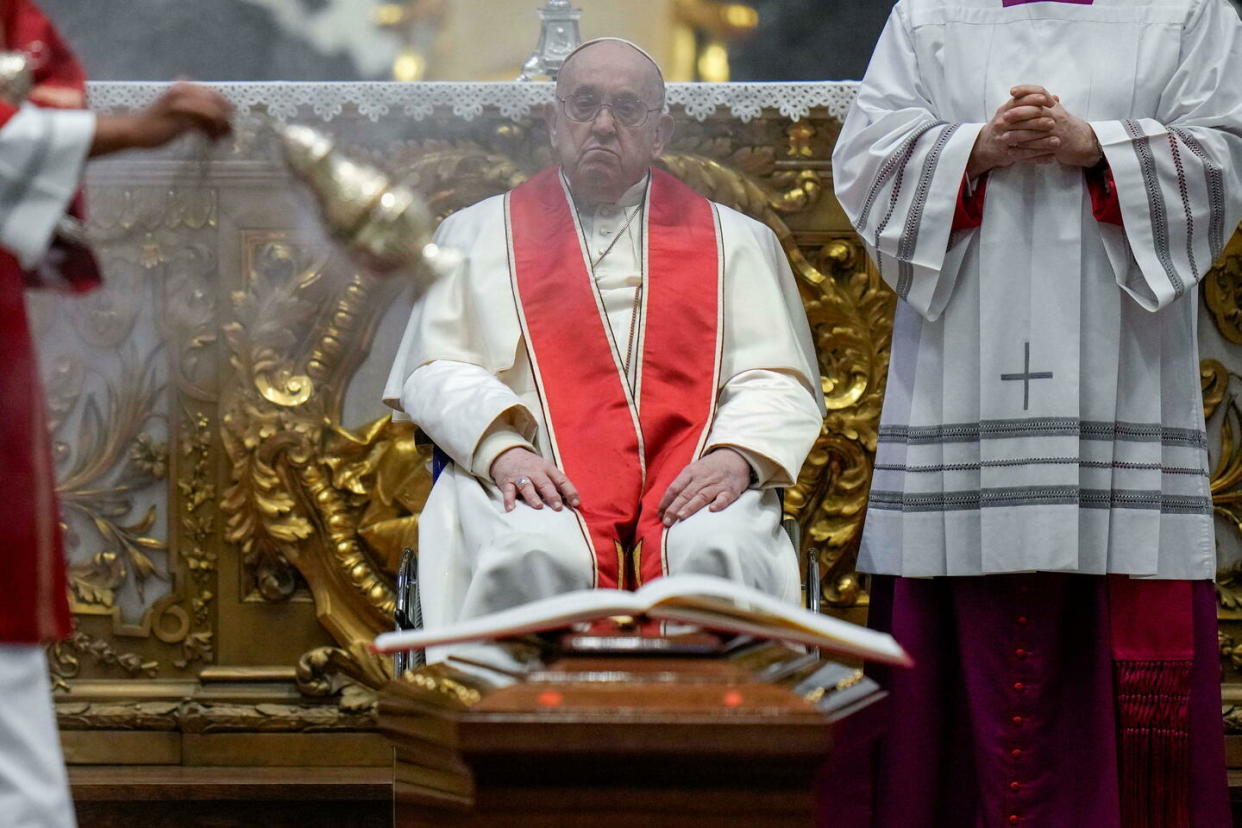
column 742, row 543
column 704, row 548
column 519, row 567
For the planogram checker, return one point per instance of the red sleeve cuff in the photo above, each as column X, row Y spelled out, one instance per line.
column 7, row 110
column 1104, row 202
column 969, row 212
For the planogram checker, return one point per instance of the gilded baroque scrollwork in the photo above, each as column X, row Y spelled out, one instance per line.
column 1222, row 290
column 197, row 496
column 200, row 717
column 197, row 717
column 108, row 438
column 302, row 505
column 155, row 715
column 65, row 659
column 109, row 358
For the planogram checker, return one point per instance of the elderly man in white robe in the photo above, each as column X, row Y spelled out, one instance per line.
column 620, row 370
column 1044, row 184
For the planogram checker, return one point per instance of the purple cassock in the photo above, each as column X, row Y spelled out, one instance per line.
column 1040, row 747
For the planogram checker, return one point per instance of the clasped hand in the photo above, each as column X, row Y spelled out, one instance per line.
column 1033, row 126
column 714, row 480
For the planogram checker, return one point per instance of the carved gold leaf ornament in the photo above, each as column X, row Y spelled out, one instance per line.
column 1214, row 382
column 64, row 659
column 109, row 438
column 1222, row 291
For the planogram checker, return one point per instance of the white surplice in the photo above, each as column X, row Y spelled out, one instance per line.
column 1043, row 409
column 463, row 375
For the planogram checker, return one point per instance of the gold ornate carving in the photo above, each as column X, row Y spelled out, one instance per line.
column 302, row 493
column 1222, row 290
column 444, row 682
column 1214, row 381
column 65, row 659
column 155, row 715
column 1227, row 475
column 198, row 717
column 106, row 439
column 198, row 534
column 329, row 671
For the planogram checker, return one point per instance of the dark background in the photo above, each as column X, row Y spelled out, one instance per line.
column 230, row 40
column 234, row 40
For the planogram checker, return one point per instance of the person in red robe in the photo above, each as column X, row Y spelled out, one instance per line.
column 43, row 146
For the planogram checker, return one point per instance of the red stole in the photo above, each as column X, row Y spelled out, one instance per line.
column 621, row 449
column 32, row 564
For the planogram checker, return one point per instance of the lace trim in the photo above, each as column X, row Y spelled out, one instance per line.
column 376, row 100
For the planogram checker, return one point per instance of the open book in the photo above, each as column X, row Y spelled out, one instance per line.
column 709, row 602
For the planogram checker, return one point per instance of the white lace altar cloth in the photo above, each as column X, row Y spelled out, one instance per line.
column 376, row 100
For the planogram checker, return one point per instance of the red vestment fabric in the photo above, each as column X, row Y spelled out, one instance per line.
column 1105, row 205
column 32, row 566
column 622, row 453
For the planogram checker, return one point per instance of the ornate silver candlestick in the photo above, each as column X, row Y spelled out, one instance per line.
column 558, row 36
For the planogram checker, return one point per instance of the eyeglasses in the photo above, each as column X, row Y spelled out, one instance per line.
column 626, row 110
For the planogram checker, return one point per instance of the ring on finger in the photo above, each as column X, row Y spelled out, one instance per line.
column 521, row 481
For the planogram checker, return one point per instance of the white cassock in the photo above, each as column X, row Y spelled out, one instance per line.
column 41, row 156
column 1043, row 409
column 464, row 376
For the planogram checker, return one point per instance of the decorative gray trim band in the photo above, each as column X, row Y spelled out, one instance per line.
column 891, row 165
column 1215, row 176
column 1155, row 204
column 1043, row 427
column 914, row 219
column 969, row 501
column 1183, row 191
column 1042, row 461
column 895, row 195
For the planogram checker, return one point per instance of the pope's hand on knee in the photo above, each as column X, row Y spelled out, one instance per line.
column 519, row 471
column 714, row 480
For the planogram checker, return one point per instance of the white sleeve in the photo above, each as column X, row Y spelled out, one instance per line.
column 770, row 404
column 458, row 405
column 771, row 420
column 42, row 152
column 1179, row 174
column 898, row 169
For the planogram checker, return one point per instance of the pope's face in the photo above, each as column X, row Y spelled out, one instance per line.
column 605, row 154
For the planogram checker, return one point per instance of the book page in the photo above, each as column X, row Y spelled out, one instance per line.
column 546, row 614
column 705, row 600
column 722, row 604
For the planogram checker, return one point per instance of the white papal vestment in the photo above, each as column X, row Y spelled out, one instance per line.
column 463, row 375
column 1043, row 409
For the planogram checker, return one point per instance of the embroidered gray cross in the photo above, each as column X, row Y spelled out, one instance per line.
column 1026, row 376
